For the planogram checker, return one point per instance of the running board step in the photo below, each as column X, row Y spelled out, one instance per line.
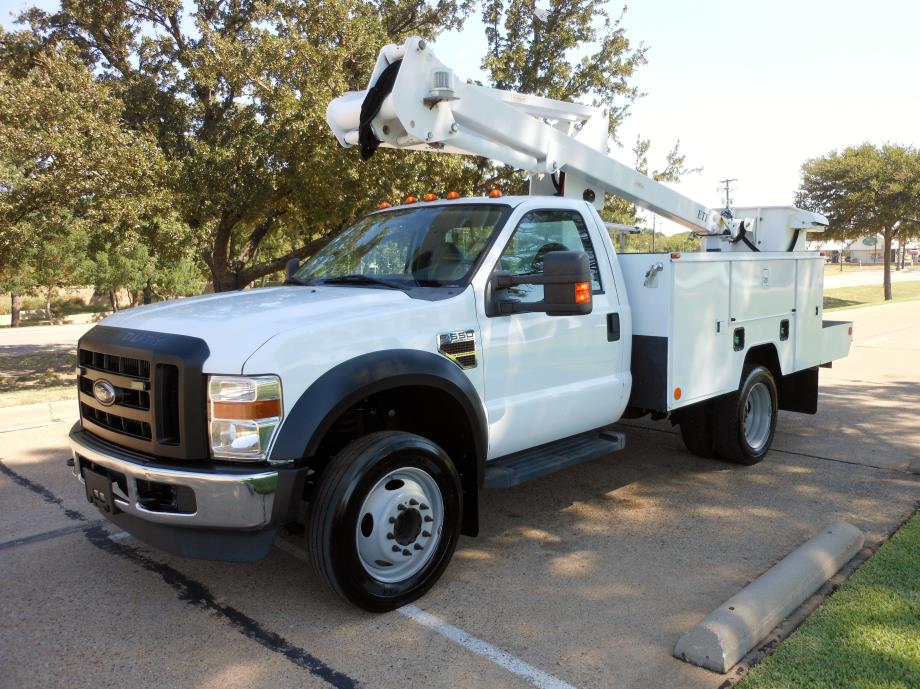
column 515, row 469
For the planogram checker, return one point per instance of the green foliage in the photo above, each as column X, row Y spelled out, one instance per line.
column 237, row 105
column 866, row 190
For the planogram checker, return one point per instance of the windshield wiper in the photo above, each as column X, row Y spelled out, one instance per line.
column 294, row 280
column 362, row 280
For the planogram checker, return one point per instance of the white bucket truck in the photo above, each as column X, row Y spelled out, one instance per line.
column 438, row 347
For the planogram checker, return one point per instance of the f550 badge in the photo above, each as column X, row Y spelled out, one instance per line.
column 459, row 346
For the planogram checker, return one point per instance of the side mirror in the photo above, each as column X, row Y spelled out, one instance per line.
column 566, row 281
column 291, row 268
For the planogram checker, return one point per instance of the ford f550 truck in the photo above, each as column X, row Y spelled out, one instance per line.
column 436, row 348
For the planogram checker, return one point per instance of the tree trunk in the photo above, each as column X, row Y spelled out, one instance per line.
column 15, row 309
column 148, row 291
column 887, row 283
column 113, row 300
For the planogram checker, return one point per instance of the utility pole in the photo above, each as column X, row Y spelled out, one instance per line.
column 725, row 186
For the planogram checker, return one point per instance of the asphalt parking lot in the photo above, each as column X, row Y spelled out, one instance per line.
column 582, row 579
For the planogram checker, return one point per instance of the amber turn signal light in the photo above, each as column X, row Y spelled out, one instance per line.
column 582, row 292
column 260, row 409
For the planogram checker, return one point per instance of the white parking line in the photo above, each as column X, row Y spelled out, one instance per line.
column 515, row 665
column 471, row 643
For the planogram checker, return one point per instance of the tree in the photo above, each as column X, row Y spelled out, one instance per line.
column 235, row 95
column 72, row 173
column 866, row 189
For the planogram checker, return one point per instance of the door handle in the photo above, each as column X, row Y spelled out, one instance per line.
column 613, row 327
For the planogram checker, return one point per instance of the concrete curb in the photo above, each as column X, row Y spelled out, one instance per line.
column 31, row 415
column 727, row 633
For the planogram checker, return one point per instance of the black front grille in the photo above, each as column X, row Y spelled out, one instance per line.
column 112, row 363
column 159, row 405
column 114, row 422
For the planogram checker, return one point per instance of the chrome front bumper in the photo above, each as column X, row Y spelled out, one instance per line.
column 223, row 500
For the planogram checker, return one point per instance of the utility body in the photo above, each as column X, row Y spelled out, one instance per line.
column 435, row 349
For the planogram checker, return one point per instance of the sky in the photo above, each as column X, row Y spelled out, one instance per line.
column 751, row 89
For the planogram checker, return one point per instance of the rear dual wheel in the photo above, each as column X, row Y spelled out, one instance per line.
column 385, row 519
column 736, row 428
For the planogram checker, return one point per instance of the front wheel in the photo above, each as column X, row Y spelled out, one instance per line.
column 745, row 422
column 385, row 519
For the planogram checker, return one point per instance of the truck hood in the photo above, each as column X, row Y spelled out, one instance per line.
column 235, row 324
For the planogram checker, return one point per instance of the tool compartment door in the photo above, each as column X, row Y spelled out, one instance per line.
column 701, row 346
column 809, row 311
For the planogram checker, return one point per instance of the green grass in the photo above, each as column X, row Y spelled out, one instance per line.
column 37, row 367
column 867, row 635
column 51, row 393
column 869, row 295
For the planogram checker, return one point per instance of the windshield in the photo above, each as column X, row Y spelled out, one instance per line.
column 423, row 246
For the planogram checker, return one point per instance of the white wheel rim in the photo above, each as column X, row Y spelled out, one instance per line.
column 399, row 525
column 758, row 416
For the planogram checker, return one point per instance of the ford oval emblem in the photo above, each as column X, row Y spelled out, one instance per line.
column 104, row 391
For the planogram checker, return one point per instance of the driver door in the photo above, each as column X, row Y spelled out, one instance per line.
column 550, row 377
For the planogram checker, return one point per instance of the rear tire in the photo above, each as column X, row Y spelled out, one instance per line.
column 696, row 429
column 384, row 520
column 744, row 422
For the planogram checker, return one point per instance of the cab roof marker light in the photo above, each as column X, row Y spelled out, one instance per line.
column 430, row 197
column 385, row 204
column 451, row 195
column 494, row 193
column 410, row 199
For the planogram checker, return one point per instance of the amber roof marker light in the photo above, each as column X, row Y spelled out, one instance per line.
column 430, row 197
column 494, row 193
column 384, row 204
column 451, row 195
column 410, row 199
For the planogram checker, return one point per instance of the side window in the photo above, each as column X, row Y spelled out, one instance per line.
column 537, row 234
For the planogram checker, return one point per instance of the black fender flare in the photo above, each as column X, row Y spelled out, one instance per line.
column 347, row 383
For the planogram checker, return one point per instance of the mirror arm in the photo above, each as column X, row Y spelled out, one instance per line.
column 504, row 280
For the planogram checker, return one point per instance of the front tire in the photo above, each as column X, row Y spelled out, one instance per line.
column 385, row 519
column 745, row 421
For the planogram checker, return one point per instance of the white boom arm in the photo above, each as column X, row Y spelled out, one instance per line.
column 429, row 109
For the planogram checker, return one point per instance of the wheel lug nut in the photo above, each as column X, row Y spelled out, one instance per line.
column 417, row 546
column 407, row 552
column 428, row 518
column 426, row 534
column 396, row 548
column 390, row 536
column 423, row 506
column 392, row 520
column 413, row 501
column 400, row 507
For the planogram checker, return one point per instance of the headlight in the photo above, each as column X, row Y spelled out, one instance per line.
column 244, row 413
